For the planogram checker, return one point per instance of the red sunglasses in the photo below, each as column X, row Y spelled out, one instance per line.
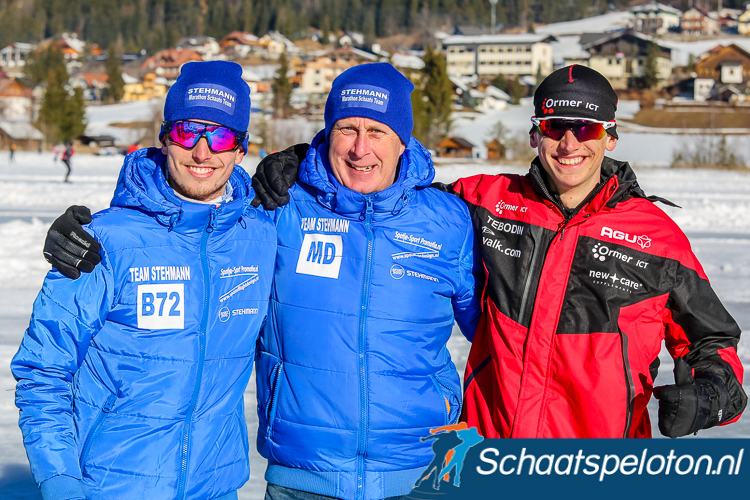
column 583, row 130
column 187, row 134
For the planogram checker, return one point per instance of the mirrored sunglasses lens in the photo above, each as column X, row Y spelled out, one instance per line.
column 185, row 134
column 221, row 139
column 553, row 129
column 589, row 131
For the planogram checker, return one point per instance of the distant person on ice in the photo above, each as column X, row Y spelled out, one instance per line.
column 66, row 157
column 131, row 379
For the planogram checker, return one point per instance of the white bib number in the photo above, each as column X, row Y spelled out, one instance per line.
column 321, row 255
column 161, row 307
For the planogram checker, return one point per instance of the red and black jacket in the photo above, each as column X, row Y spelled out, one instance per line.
column 576, row 305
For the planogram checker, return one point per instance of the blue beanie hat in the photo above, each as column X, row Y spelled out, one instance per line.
column 213, row 91
column 376, row 91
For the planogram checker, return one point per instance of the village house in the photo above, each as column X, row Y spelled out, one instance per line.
column 16, row 100
column 274, row 44
column 238, row 44
column 698, row 21
column 743, row 21
column 318, row 74
column 620, row 57
column 724, row 64
column 150, row 87
column 455, row 147
column 495, row 150
column 21, row 133
column 206, row 46
column 93, row 85
column 491, row 55
column 13, row 57
column 167, row 63
column 655, row 18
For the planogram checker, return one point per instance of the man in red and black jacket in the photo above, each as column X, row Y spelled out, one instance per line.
column 585, row 277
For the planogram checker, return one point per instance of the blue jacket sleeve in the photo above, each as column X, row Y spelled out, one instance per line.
column 66, row 315
column 467, row 301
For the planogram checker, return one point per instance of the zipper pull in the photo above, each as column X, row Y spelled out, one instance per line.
column 212, row 220
column 111, row 400
column 369, row 209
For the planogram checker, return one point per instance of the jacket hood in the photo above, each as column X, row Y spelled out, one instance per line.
column 416, row 171
column 143, row 185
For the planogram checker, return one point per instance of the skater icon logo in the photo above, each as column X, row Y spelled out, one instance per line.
column 450, row 445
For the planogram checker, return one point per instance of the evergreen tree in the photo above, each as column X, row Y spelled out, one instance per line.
column 73, row 122
column 116, row 83
column 691, row 63
column 517, row 91
column 281, row 88
column 419, row 111
column 61, row 115
column 500, row 82
column 438, row 93
column 539, row 77
column 650, row 69
column 40, row 63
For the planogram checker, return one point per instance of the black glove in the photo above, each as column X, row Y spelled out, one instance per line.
column 275, row 174
column 691, row 404
column 68, row 247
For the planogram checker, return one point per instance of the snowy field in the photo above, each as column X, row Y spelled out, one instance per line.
column 715, row 214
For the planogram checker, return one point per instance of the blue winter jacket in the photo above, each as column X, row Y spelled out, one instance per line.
column 352, row 365
column 131, row 378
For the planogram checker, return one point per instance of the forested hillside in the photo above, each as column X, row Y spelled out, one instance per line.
column 154, row 24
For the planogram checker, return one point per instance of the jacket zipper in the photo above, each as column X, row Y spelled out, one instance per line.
column 535, row 273
column 363, row 424
column 111, row 399
column 538, row 258
column 207, row 230
column 271, row 412
column 443, row 389
column 629, row 386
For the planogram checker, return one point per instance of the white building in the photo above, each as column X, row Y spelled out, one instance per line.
column 490, row 55
column 206, row 46
column 13, row 57
column 655, row 18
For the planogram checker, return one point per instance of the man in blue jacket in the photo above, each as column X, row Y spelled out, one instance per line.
column 352, row 366
column 131, row 379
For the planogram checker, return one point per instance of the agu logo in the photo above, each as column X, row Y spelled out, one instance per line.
column 397, row 272
column 320, row 255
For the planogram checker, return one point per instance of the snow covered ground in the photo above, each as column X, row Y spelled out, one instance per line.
column 715, row 214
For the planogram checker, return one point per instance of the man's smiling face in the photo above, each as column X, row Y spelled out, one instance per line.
column 573, row 167
column 364, row 154
column 197, row 173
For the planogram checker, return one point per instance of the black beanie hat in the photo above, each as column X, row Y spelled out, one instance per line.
column 576, row 92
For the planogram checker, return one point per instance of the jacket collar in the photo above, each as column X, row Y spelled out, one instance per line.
column 415, row 171
column 142, row 185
